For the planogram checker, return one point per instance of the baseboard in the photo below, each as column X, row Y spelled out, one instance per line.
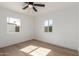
column 57, row 45
column 15, row 44
column 45, row 42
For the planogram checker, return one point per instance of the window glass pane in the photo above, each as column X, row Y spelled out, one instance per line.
column 50, row 25
column 46, row 26
column 46, row 23
column 17, row 29
column 50, row 22
column 50, row 28
column 10, row 27
column 46, row 29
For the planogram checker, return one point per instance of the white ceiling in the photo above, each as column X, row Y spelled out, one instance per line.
column 49, row 6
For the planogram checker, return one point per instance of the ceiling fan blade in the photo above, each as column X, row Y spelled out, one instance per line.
column 25, row 7
column 40, row 5
column 34, row 9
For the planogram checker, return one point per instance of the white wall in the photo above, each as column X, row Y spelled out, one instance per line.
column 64, row 29
column 26, row 32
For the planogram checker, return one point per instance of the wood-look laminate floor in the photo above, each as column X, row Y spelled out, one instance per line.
column 36, row 48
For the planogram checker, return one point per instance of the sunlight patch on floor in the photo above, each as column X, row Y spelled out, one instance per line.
column 28, row 48
column 35, row 50
column 40, row 52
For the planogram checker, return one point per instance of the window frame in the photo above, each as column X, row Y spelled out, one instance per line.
column 13, row 23
column 47, row 28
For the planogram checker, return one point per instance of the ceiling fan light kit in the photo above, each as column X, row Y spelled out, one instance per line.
column 30, row 6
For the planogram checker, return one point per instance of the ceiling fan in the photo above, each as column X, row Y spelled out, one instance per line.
column 32, row 5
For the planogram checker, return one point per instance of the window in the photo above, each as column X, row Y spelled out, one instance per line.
column 13, row 24
column 48, row 25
